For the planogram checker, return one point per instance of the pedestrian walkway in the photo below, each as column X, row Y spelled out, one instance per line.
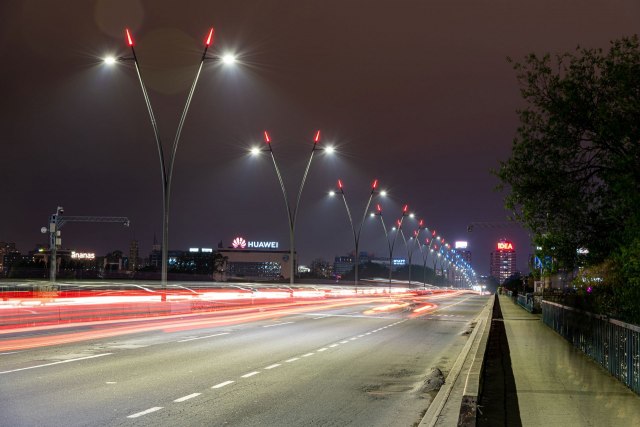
column 557, row 385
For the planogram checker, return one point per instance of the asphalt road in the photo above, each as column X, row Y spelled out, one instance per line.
column 328, row 367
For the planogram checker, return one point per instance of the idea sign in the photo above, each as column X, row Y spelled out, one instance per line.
column 505, row 246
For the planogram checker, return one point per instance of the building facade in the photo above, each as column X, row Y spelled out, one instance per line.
column 503, row 261
column 252, row 264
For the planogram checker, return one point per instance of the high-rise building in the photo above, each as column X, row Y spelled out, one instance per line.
column 462, row 249
column 155, row 257
column 134, row 257
column 6, row 249
column 503, row 261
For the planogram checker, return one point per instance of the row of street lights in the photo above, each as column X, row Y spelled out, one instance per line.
column 292, row 211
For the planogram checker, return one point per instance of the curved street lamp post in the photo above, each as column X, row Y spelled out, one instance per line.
column 166, row 171
column 391, row 243
column 356, row 235
column 292, row 213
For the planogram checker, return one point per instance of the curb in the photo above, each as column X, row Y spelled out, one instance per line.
column 477, row 340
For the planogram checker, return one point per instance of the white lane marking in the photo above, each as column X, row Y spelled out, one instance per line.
column 250, row 374
column 277, row 324
column 354, row 338
column 349, row 315
column 344, row 342
column 148, row 411
column 201, row 338
column 56, row 363
column 275, row 365
column 111, row 382
column 223, row 384
column 321, row 317
column 322, row 349
column 334, row 345
column 360, row 336
column 190, row 396
column 307, row 355
column 368, row 333
column 9, row 352
column 293, row 359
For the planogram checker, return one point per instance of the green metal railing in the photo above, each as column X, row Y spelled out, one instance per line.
column 613, row 344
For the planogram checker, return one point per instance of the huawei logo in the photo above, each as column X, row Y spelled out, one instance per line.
column 239, row 243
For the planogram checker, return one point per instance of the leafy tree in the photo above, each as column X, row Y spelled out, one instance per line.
column 574, row 172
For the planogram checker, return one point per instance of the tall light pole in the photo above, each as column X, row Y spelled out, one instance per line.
column 166, row 171
column 409, row 248
column 292, row 213
column 425, row 256
column 356, row 235
column 391, row 243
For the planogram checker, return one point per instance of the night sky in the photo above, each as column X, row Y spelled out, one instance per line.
column 417, row 94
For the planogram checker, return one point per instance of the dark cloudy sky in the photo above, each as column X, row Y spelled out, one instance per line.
column 415, row 93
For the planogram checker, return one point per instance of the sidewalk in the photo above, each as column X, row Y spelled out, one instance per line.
column 557, row 385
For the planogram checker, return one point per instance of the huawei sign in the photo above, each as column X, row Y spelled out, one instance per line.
column 239, row 243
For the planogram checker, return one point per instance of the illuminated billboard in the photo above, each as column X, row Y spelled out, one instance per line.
column 504, row 245
column 83, row 255
column 461, row 244
column 241, row 243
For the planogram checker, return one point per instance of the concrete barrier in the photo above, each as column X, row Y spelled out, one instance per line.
column 473, row 383
column 473, row 351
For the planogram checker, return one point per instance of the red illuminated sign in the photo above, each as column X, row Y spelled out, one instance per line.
column 505, row 246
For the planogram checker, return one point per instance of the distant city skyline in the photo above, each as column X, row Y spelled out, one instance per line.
column 419, row 96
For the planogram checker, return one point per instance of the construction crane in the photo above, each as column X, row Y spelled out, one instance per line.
column 57, row 220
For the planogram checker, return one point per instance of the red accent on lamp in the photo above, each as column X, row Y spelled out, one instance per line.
column 129, row 38
column 209, row 38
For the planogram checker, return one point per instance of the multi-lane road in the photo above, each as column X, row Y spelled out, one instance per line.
column 325, row 365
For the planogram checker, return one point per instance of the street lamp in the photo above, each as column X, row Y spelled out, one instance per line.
column 292, row 213
column 386, row 235
column 166, row 171
column 411, row 248
column 356, row 235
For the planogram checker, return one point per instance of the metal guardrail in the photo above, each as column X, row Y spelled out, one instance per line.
column 613, row 344
column 526, row 302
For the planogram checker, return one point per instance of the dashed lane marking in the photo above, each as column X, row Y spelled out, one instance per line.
column 187, row 397
column 148, row 411
column 223, row 384
column 201, row 338
column 275, row 365
column 277, row 324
